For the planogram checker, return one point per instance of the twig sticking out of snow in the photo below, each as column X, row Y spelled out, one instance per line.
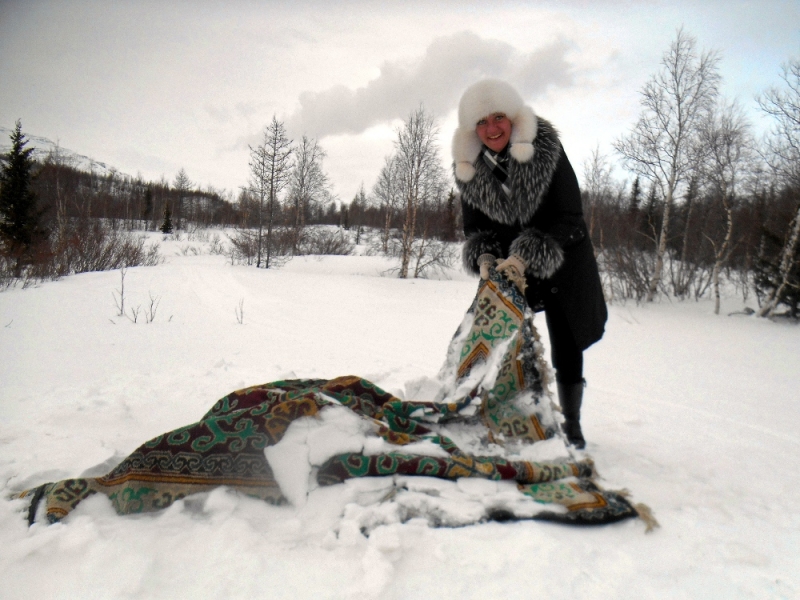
column 240, row 312
column 119, row 297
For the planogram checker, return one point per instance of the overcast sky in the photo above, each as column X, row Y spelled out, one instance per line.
column 151, row 87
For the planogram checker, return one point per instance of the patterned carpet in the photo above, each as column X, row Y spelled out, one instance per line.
column 493, row 377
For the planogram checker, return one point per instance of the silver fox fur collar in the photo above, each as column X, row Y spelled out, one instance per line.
column 529, row 181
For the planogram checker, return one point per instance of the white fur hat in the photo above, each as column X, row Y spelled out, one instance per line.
column 481, row 100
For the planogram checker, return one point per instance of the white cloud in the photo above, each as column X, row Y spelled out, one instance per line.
column 436, row 80
column 151, row 87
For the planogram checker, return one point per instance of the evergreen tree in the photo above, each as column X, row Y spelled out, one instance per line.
column 651, row 209
column 147, row 212
column 182, row 186
column 450, row 218
column 773, row 269
column 636, row 196
column 777, row 270
column 166, row 225
column 357, row 208
column 20, row 219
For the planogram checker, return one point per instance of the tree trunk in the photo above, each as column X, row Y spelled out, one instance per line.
column 408, row 236
column 423, row 243
column 260, row 228
column 789, row 249
column 269, row 228
column 683, row 285
column 721, row 256
column 387, row 223
column 662, row 242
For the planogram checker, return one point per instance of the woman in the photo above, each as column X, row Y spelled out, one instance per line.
column 521, row 203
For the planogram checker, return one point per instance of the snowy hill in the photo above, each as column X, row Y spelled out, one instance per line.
column 695, row 414
column 43, row 147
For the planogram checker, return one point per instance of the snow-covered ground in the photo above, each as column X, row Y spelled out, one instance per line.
column 696, row 414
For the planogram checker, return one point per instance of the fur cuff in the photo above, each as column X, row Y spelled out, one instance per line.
column 543, row 255
column 483, row 242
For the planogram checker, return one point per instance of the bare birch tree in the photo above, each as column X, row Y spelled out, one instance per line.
column 783, row 155
column 60, row 161
column 687, row 269
column 727, row 143
column 598, row 187
column 429, row 251
column 421, row 175
column 387, row 192
column 788, row 260
column 661, row 147
column 783, row 141
column 309, row 185
column 270, row 169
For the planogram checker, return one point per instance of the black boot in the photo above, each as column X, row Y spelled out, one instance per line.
column 570, row 395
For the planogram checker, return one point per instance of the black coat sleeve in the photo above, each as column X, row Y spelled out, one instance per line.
column 562, row 206
column 481, row 238
column 557, row 225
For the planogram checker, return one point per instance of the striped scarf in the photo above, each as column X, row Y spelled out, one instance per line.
column 498, row 164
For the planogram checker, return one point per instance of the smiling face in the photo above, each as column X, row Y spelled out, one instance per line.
column 494, row 131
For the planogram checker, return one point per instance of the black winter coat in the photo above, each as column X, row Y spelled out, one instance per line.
column 543, row 223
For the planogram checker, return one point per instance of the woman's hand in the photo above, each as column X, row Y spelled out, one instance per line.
column 484, row 262
column 513, row 269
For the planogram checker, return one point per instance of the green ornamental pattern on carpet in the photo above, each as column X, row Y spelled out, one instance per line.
column 500, row 325
column 497, row 349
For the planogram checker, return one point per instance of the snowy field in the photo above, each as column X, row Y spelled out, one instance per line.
column 696, row 414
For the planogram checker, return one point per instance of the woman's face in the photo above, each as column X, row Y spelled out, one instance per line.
column 494, row 131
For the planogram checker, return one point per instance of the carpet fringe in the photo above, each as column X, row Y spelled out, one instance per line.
column 646, row 515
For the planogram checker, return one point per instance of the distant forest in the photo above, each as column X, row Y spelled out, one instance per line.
column 708, row 205
column 64, row 191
